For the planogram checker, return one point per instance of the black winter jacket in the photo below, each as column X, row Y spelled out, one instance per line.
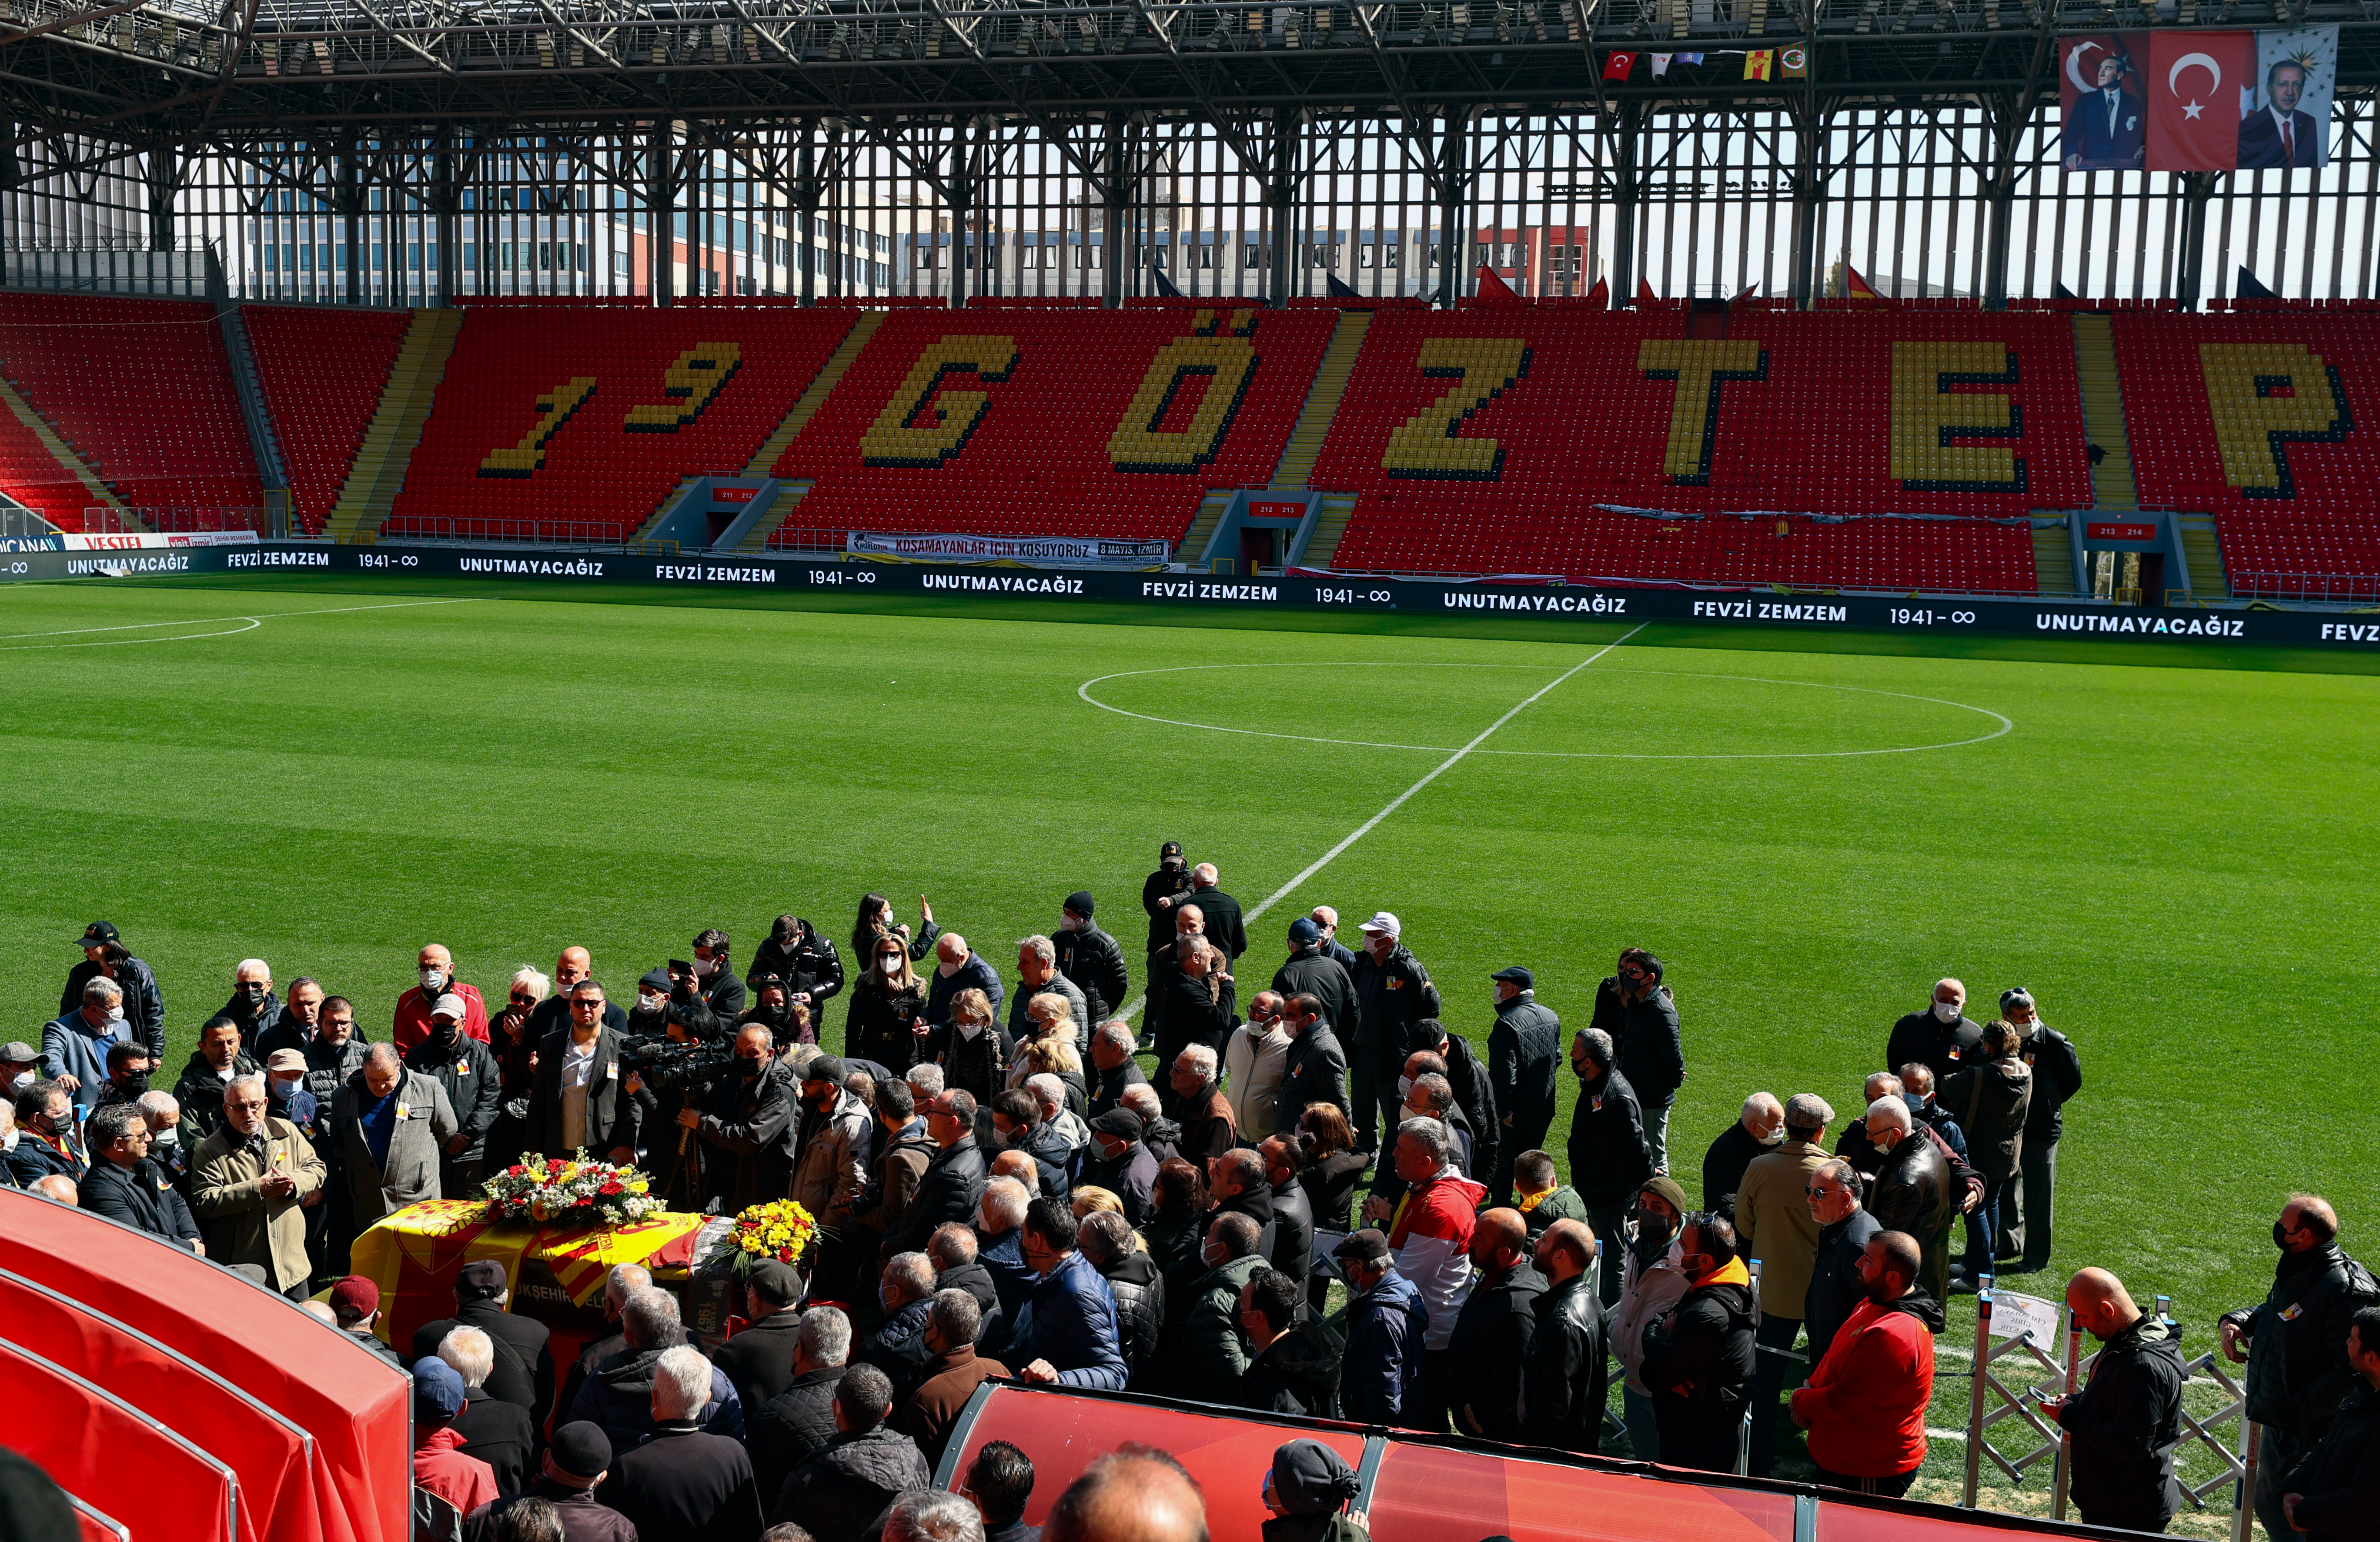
column 1165, row 883
column 1315, row 973
column 948, row 1190
column 842, row 1494
column 1610, row 1157
column 1297, row 1373
column 1568, row 1378
column 807, row 963
column 475, row 1086
column 748, row 1135
column 142, row 1198
column 1925, row 1039
column 1224, row 927
column 1989, row 1099
column 1723, row 1169
column 2126, row 1423
column 1094, row 961
column 980, row 1065
column 2056, row 1075
column 612, row 1116
column 1525, row 1058
column 1293, row 1241
column 976, row 973
column 792, row 1428
column 2297, row 1338
column 2338, row 1482
column 1389, row 997
column 1474, row 1094
column 1488, row 1359
column 1315, row 1072
column 881, row 1027
column 1652, row 1056
column 1836, row 1289
column 1699, row 1368
column 1139, row 1291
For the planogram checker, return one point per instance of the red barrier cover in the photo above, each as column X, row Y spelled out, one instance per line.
column 269, row 1454
column 1431, row 1493
column 158, row 1484
column 357, row 1406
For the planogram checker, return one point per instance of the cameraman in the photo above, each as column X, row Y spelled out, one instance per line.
column 747, row 1118
column 806, row 962
column 661, row 1037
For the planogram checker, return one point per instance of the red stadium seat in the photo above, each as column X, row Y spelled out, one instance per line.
column 323, row 370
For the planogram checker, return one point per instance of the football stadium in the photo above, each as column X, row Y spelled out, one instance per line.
column 958, row 769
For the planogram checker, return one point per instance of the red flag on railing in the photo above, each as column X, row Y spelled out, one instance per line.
column 1617, row 66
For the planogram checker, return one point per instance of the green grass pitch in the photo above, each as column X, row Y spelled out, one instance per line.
column 2178, row 860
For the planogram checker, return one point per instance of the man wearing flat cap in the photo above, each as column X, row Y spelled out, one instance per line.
column 1124, row 1166
column 523, row 1371
column 1379, row 1380
column 1524, row 1056
column 580, row 1458
column 1773, row 1224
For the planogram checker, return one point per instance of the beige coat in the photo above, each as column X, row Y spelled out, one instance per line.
column 241, row 1224
column 1774, row 1224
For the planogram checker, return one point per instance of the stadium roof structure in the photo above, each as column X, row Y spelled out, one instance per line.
column 192, row 72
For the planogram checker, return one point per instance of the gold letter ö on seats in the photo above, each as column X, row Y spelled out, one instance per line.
column 527, row 457
column 1138, row 445
column 699, row 375
column 892, row 440
column 1482, row 370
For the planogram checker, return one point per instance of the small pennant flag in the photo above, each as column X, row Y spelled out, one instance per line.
column 1661, row 65
column 1688, row 58
column 1795, row 62
column 1857, row 288
column 1494, row 290
column 1617, row 66
column 1645, row 298
column 1600, row 296
column 1759, row 63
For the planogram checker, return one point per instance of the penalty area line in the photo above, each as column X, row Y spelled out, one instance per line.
column 1407, row 795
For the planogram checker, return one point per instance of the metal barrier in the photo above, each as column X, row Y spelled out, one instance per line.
column 2320, row 588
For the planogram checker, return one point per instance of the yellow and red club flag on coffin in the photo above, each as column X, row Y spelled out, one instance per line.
column 415, row 1255
column 1760, row 64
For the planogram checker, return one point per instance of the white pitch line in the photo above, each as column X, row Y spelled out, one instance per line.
column 1402, row 798
column 253, row 622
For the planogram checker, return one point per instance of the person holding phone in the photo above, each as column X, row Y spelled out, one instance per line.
column 888, row 1008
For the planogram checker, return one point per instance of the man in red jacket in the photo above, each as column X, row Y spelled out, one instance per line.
column 1865, row 1406
column 438, row 979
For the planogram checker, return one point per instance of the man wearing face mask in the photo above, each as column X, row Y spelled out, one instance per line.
column 746, row 1127
column 1610, row 1156
column 1698, row 1359
column 253, row 1007
column 804, row 959
column 20, row 1067
column 48, row 1142
column 1392, row 993
column 286, row 1097
column 103, row 953
column 1941, row 1037
column 1037, row 974
column 129, row 1069
column 435, row 971
column 1525, row 1051
column 210, row 1071
column 1163, row 891
column 2024, row 1221
column 1091, row 958
column 712, row 998
column 123, row 1184
column 2295, row 1346
column 468, row 1072
column 1914, row 1189
column 1754, row 1134
column 74, row 1046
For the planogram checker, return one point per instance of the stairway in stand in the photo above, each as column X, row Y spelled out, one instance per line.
column 379, row 470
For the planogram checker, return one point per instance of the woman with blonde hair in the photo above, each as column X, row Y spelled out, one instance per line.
column 1054, row 1053
column 973, row 1051
column 888, row 1009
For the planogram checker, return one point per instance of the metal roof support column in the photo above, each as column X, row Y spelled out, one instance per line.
column 2197, row 187
column 806, row 199
column 1809, row 199
column 661, row 210
column 1453, row 197
column 961, row 200
column 1115, row 193
column 446, row 231
column 164, row 179
column 1627, row 192
column 1280, row 198
column 350, row 199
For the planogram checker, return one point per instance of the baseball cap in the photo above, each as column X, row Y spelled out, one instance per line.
column 354, row 1297
column 1302, row 931
column 18, row 1052
column 437, row 1391
column 827, row 1068
column 580, row 1449
column 1171, row 848
column 1518, row 976
column 1387, row 923
column 450, row 1006
column 285, row 1060
column 481, row 1279
column 96, row 933
column 1370, row 1245
column 1079, row 902
column 1123, row 1123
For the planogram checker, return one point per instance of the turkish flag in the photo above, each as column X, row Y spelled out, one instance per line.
column 2194, row 84
column 1617, row 66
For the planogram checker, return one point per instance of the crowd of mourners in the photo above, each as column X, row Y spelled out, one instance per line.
column 1011, row 1180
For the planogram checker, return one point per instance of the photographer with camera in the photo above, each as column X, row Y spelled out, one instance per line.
column 705, row 992
column 803, row 961
column 746, row 1127
column 580, row 1100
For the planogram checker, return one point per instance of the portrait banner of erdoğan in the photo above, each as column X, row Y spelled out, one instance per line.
column 2187, row 100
